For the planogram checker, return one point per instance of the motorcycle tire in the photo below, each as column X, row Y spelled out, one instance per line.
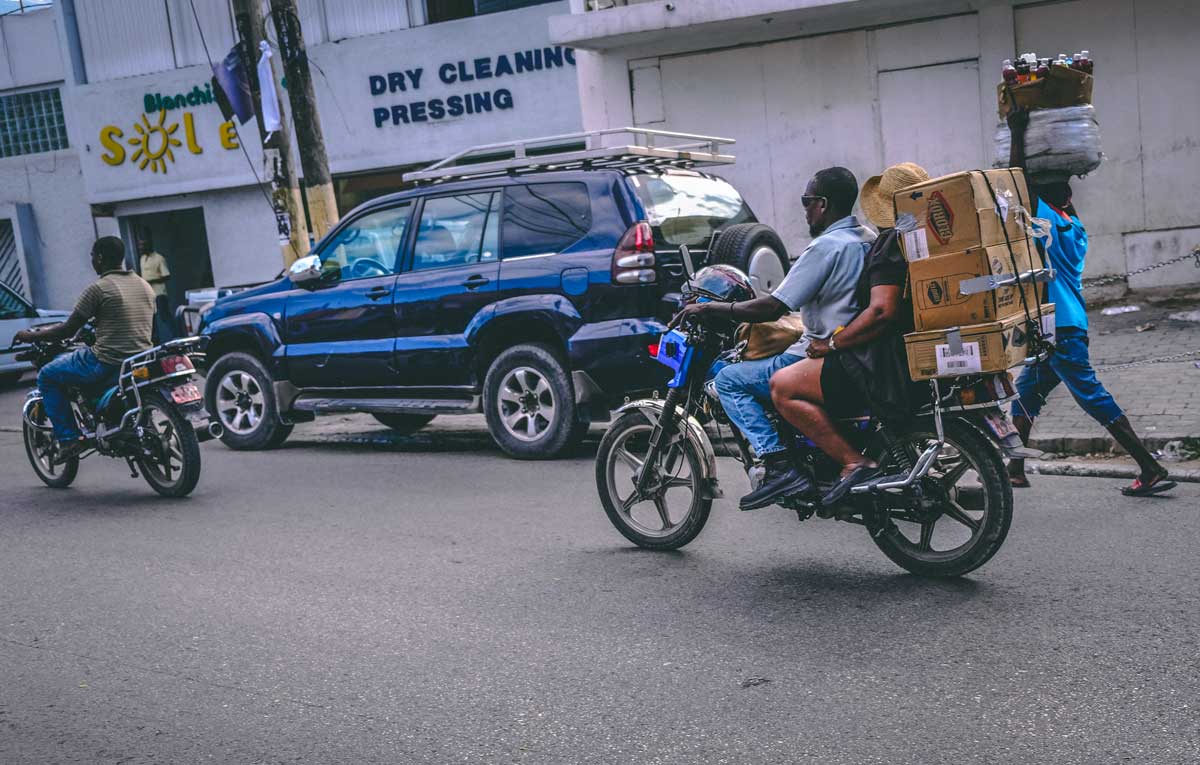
column 41, row 449
column 618, row 449
column 967, row 450
column 177, row 443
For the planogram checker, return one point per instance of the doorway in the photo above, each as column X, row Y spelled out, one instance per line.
column 180, row 237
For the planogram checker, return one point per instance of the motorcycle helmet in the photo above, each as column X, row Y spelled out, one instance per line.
column 720, row 283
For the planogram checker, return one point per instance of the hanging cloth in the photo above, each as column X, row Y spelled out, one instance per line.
column 266, row 86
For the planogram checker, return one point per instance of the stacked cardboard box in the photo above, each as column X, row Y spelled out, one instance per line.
column 957, row 228
column 978, row 348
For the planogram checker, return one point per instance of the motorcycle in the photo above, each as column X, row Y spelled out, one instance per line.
column 153, row 417
column 941, row 508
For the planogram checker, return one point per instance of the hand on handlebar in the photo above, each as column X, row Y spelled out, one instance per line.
column 690, row 313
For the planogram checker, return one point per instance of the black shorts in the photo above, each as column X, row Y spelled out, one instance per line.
column 841, row 393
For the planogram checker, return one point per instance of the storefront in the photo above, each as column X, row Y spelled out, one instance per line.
column 158, row 163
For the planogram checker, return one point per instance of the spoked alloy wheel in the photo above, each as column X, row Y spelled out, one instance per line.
column 963, row 516
column 171, row 464
column 527, row 404
column 675, row 505
column 240, row 402
column 42, row 448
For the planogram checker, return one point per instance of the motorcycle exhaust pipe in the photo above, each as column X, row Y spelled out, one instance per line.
column 214, row 430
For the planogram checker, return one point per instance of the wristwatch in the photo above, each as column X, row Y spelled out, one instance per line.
column 832, row 345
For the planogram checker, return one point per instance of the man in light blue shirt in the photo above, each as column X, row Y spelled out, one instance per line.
column 820, row 285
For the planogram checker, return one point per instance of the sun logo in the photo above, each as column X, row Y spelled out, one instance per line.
column 153, row 143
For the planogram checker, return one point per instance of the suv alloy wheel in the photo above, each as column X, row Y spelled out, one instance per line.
column 240, row 394
column 530, row 403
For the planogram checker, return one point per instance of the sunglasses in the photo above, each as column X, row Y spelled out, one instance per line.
column 807, row 200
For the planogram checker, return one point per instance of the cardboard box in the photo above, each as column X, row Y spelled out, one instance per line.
column 937, row 302
column 1062, row 87
column 957, row 212
column 990, row 347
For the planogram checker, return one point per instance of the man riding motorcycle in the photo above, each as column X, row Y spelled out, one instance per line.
column 821, row 286
column 120, row 305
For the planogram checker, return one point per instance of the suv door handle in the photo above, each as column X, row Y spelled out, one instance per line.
column 375, row 293
column 476, row 281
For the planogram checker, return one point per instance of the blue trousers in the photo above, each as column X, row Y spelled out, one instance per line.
column 1070, row 365
column 78, row 369
column 745, row 391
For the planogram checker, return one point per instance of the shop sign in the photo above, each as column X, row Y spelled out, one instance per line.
column 152, row 142
column 461, row 73
column 157, row 102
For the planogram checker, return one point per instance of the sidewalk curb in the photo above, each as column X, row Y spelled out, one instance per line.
column 1093, row 470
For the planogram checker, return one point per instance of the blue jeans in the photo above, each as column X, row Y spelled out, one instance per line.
column 745, row 391
column 1068, row 364
column 78, row 369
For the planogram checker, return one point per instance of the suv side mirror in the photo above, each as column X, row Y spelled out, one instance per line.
column 306, row 271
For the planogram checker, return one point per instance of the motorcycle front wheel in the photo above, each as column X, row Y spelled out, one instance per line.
column 170, row 459
column 42, row 449
column 676, row 503
column 962, row 513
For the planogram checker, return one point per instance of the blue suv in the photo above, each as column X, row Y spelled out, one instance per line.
column 532, row 297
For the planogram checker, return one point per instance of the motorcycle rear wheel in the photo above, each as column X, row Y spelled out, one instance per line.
column 964, row 522
column 173, row 468
column 674, row 510
column 41, row 447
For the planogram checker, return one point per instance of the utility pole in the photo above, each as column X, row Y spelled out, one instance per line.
column 277, row 151
column 318, row 185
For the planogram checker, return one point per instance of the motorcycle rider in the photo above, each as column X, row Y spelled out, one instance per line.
column 120, row 305
column 820, row 285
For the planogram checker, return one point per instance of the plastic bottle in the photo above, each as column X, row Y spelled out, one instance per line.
column 1009, row 71
column 1085, row 62
column 1043, row 69
column 1022, row 71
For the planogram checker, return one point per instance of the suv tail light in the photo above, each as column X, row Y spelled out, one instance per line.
column 633, row 262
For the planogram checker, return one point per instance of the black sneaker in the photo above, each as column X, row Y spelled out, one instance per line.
column 70, row 450
column 781, row 480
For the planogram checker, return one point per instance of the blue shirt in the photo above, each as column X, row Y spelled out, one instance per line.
column 1066, row 248
column 822, row 281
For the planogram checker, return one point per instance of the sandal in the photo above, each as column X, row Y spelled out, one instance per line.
column 860, row 474
column 1156, row 485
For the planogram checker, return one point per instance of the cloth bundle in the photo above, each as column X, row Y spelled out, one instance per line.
column 1059, row 144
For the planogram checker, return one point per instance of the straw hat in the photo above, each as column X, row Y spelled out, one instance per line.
column 877, row 192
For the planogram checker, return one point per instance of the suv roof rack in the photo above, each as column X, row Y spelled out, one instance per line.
column 636, row 149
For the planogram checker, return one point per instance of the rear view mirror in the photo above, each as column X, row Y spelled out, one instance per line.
column 305, row 271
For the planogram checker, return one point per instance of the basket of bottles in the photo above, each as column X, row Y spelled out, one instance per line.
column 1063, row 138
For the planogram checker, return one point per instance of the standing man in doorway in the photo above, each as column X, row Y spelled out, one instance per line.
column 1065, row 249
column 155, row 271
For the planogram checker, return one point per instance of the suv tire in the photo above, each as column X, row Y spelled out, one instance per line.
column 756, row 250
column 530, row 404
column 240, row 395
column 404, row 424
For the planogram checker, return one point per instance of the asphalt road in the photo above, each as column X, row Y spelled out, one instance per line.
column 437, row 603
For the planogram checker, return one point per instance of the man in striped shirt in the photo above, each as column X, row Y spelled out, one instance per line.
column 120, row 305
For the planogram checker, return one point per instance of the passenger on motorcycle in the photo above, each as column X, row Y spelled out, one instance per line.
column 120, row 305
column 861, row 367
column 820, row 285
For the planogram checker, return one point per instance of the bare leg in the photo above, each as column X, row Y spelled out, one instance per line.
column 796, row 393
column 1016, row 467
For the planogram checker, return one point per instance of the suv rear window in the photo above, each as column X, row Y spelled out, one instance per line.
column 686, row 208
column 545, row 217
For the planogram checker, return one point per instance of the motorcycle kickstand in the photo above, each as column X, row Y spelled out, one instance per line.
column 133, row 473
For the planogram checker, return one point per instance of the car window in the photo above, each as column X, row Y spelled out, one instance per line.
column 545, row 217
column 369, row 245
column 11, row 306
column 686, row 208
column 455, row 231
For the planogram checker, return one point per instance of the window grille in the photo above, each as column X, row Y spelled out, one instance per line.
column 31, row 123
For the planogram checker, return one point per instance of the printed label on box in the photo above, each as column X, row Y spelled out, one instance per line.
column 916, row 246
column 962, row 363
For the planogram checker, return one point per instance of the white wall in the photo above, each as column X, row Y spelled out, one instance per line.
column 29, row 50
column 925, row 90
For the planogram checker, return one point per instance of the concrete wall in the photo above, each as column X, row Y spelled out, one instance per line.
column 925, row 90
column 29, row 49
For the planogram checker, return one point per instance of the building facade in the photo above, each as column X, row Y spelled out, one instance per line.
column 144, row 152
column 804, row 84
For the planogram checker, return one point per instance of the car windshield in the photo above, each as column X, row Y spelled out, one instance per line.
column 685, row 208
column 12, row 306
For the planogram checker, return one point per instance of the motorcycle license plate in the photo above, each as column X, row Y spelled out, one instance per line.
column 186, row 393
column 998, row 423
